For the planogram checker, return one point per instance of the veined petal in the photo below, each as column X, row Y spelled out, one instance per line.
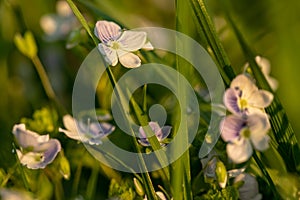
column 239, row 152
column 231, row 100
column 24, row 137
column 71, row 134
column 70, row 123
column 244, row 84
column 166, row 130
column 258, row 125
column 109, row 54
column 50, row 151
column 230, row 128
column 260, row 99
column 130, row 60
column 107, row 31
column 132, row 40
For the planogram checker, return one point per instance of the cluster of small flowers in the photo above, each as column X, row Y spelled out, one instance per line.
column 37, row 151
column 247, row 127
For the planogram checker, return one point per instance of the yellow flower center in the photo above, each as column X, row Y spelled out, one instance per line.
column 242, row 103
column 245, row 132
column 115, row 45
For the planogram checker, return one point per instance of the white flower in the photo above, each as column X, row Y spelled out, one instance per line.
column 265, row 66
column 117, row 44
column 249, row 190
column 160, row 133
column 244, row 133
column 91, row 133
column 36, row 151
column 243, row 97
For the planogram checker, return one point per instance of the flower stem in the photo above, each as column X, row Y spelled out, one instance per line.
column 92, row 183
column 146, row 177
column 44, row 78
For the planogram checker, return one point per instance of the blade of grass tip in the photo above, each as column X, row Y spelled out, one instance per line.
column 214, row 42
column 285, row 138
column 82, row 20
column 145, row 98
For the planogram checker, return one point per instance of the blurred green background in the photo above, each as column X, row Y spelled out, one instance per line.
column 271, row 27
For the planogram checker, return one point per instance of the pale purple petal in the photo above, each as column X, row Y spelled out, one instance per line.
column 230, row 128
column 101, row 129
column 261, row 144
column 231, row 98
column 132, row 40
column 107, row 31
column 130, row 60
column 260, row 99
column 258, row 125
column 239, row 151
column 31, row 160
column 165, row 131
column 249, row 190
column 50, row 151
column 109, row 54
column 24, row 137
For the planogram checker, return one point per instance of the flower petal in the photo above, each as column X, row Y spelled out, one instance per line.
column 249, row 190
column 260, row 99
column 31, row 159
column 259, row 126
column 110, row 55
column 107, row 31
column 148, row 46
column 245, row 84
column 230, row 128
column 24, row 137
column 132, row 40
column 231, row 100
column 239, row 152
column 264, row 64
column 51, row 150
column 70, row 123
column 166, row 130
column 130, row 60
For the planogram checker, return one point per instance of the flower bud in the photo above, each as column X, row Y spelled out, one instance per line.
column 221, row 174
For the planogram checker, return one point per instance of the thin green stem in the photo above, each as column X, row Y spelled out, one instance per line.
column 10, row 173
column 44, row 78
column 146, row 177
column 145, row 98
column 76, row 179
column 92, row 183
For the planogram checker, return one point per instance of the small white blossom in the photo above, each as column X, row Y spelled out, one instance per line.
column 160, row 133
column 90, row 132
column 243, row 96
column 117, row 45
column 244, row 133
column 36, row 151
